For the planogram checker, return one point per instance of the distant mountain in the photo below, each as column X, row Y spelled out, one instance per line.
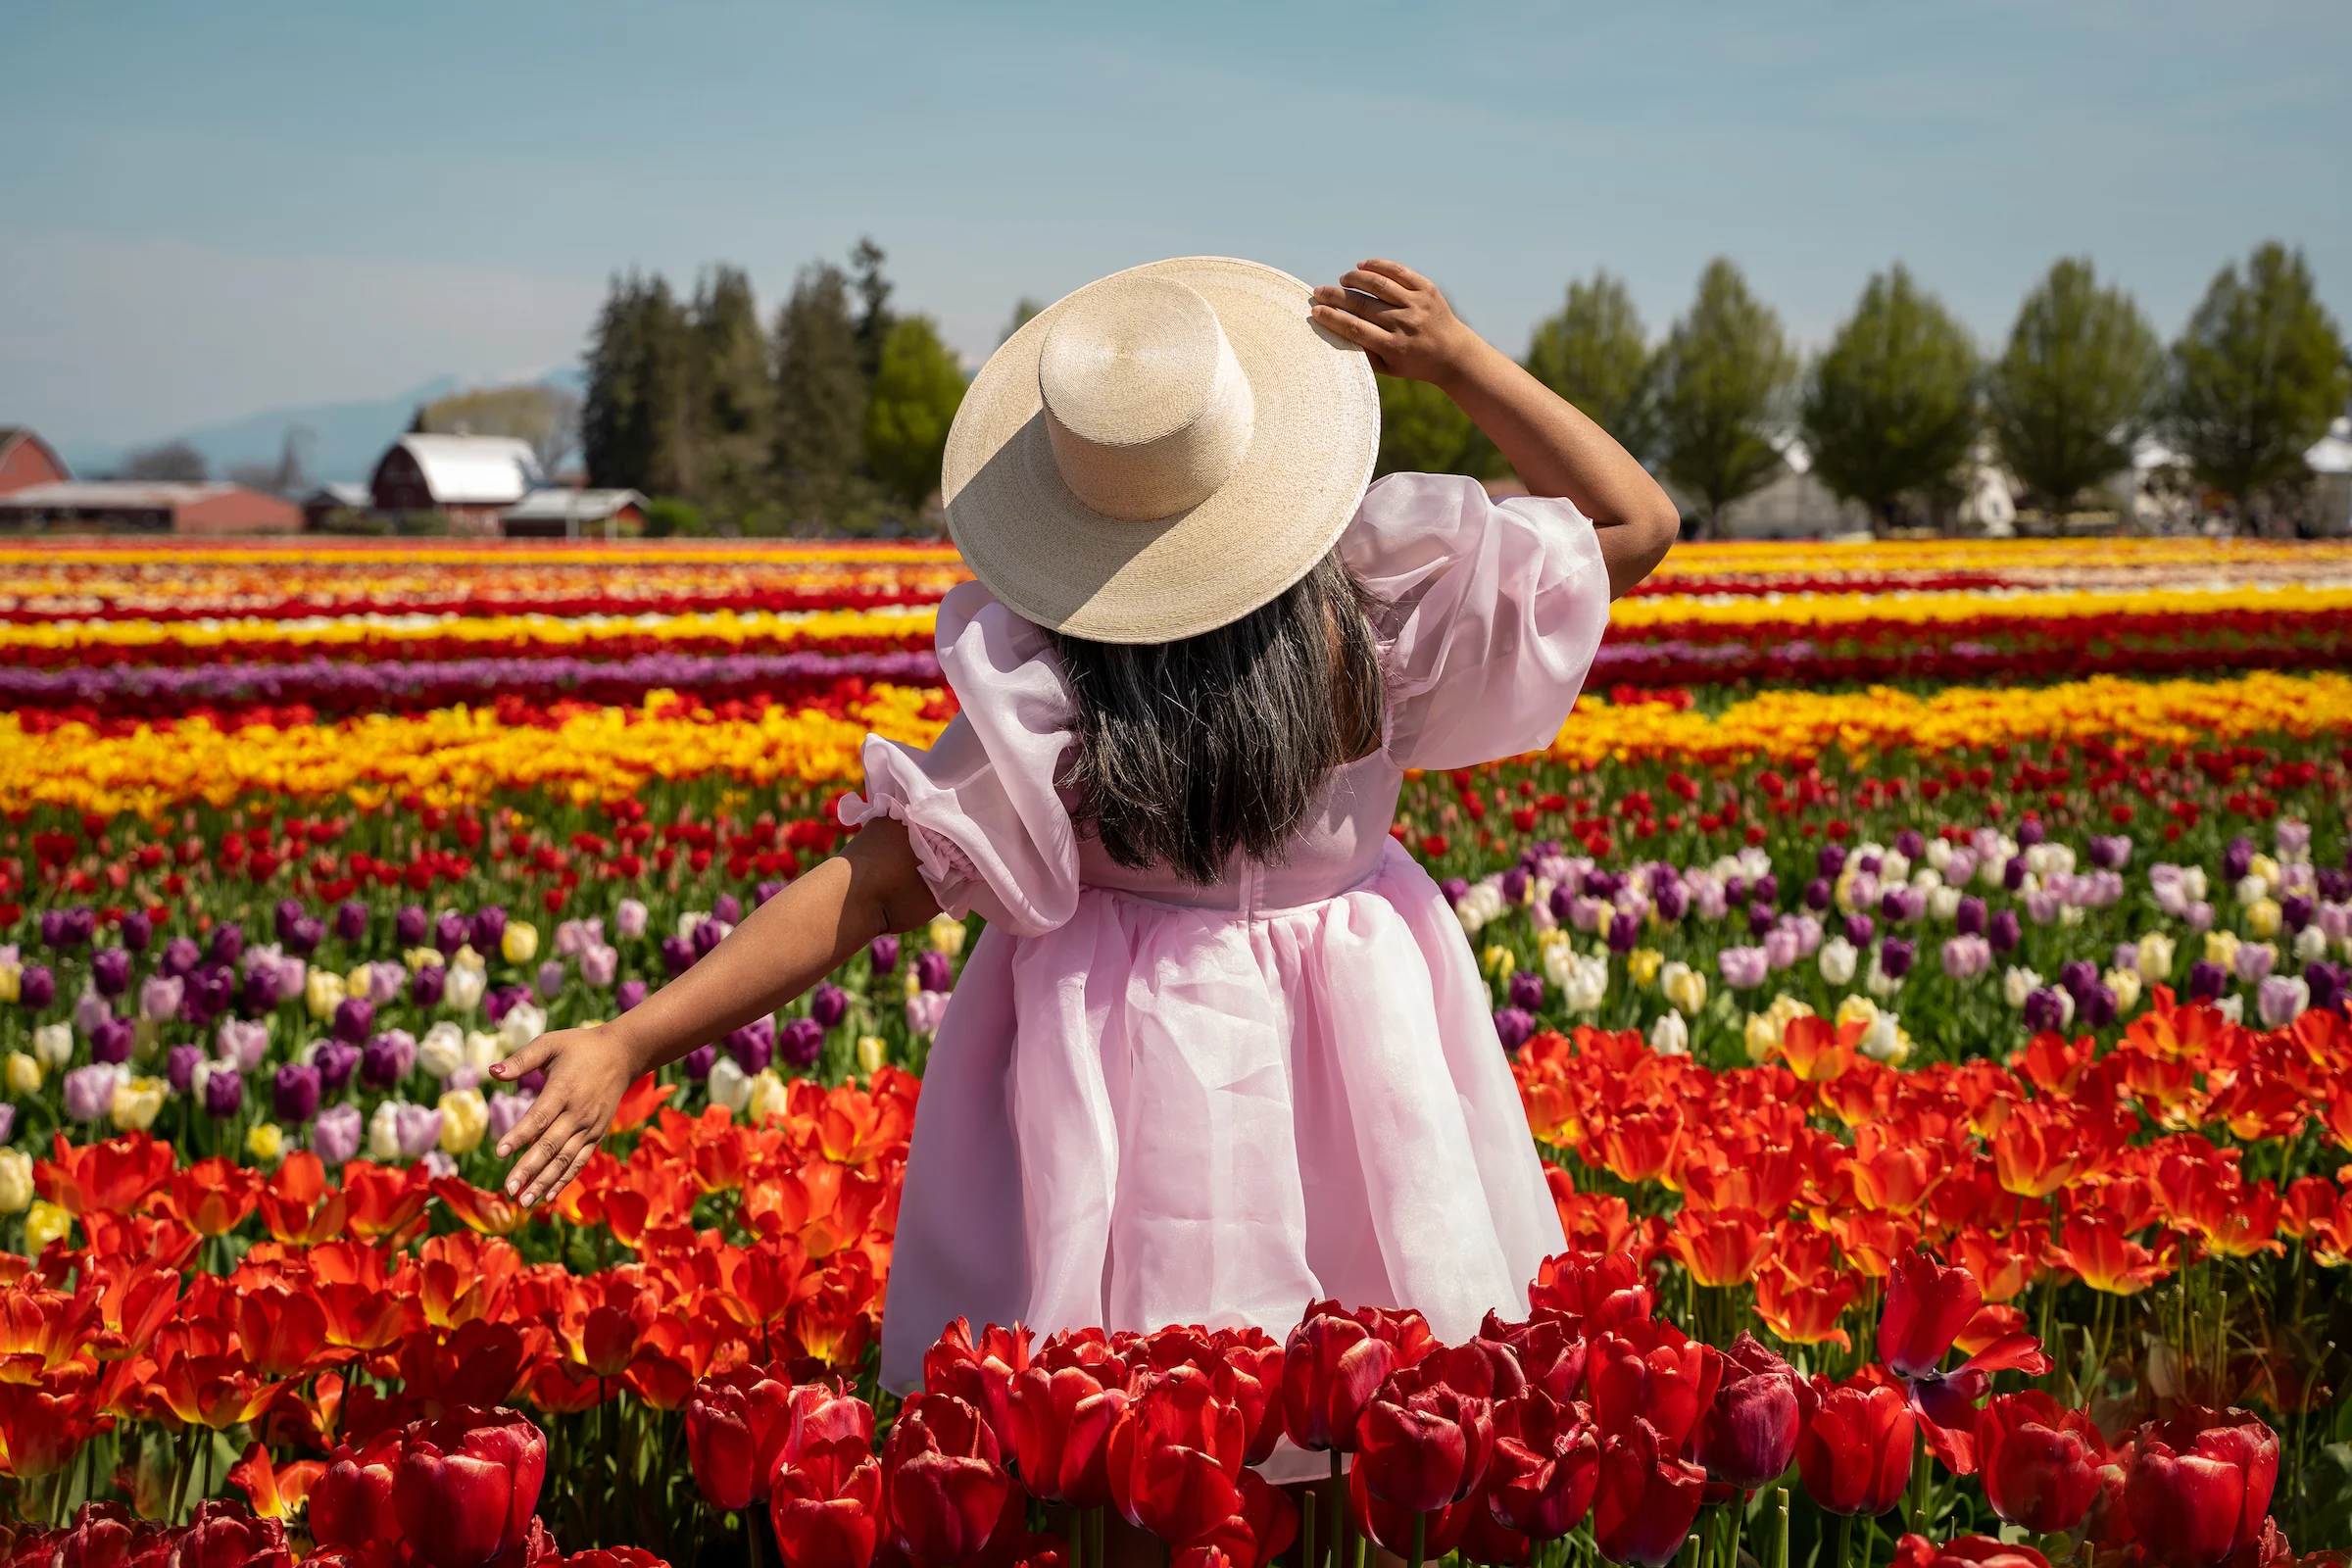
column 347, row 438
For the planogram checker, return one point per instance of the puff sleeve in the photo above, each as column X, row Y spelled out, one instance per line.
column 988, row 825
column 1489, row 614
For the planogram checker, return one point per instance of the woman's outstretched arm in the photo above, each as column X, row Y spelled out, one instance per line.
column 786, row 946
column 1398, row 317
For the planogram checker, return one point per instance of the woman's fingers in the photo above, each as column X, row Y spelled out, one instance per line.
column 544, row 1110
column 1352, row 326
column 1379, row 286
column 539, row 1144
column 571, row 1171
column 538, row 1053
column 1397, row 272
column 574, row 1147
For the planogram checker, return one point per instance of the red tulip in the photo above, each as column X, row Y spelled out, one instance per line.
column 827, row 1509
column 736, row 1425
column 468, row 1485
column 1546, row 1463
column 1854, row 1452
column 1748, row 1435
column 821, row 1413
column 1256, row 1362
column 351, row 1503
column 1174, row 1456
column 1389, row 1527
column 1927, row 1307
column 1601, row 1290
column 223, row 1534
column 2199, row 1486
column 1965, row 1552
column 943, row 1490
column 1423, row 1442
column 1646, row 1500
column 104, row 1535
column 1650, row 1371
column 2039, row 1463
column 1261, row 1526
column 1550, row 1349
column 1062, row 1425
column 981, row 1373
column 1333, row 1364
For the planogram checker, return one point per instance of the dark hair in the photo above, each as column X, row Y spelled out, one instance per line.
column 1191, row 750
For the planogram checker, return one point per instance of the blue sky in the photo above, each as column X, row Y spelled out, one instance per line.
column 215, row 209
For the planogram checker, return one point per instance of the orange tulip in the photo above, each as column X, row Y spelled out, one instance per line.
column 1818, row 1050
column 275, row 1492
column 638, row 1104
column 298, row 1206
column 463, row 1277
column 1893, row 1172
column 2051, row 1065
column 1637, row 1144
column 2002, row 1271
column 283, row 1331
column 2103, row 1258
column 116, row 1175
column 212, row 1196
column 487, row 1214
column 208, row 1390
column 382, row 1201
column 1595, row 1222
column 1720, row 1248
column 1806, row 1311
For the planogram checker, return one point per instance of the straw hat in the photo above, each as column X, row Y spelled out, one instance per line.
column 1161, row 452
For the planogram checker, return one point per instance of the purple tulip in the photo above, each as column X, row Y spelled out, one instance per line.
column 761, row 892
column 1760, row 920
column 223, row 1094
column 1514, row 885
column 241, row 1043
column 828, row 1003
column 210, row 988
column 1671, row 900
column 90, row 1091
column 599, row 965
column 1526, row 991
column 89, row 1011
column 57, row 929
column 260, row 992
column 2029, row 832
column 2110, row 853
column 2077, row 976
column 2254, row 961
column 2097, row 1006
column 2044, row 1010
column 502, row 1000
column 180, row 1066
column 295, row 1092
column 489, row 925
column 2206, row 980
column 2013, row 873
column 8, row 1121
column 883, row 952
column 415, row 1129
column 1513, row 1027
column 426, row 985
column 1456, row 888
column 1742, row 968
column 1967, row 956
column 2335, row 886
column 932, row 971
column 36, row 987
column 110, row 972
column 628, row 994
column 111, row 1040
column 179, row 957
column 1895, row 957
column 335, row 1135
column 1625, row 932
column 708, row 935
column 408, row 926
column 1765, row 889
column 506, row 1110
column 2237, row 859
column 696, row 1063
column 282, row 919
column 229, row 941
column 350, row 920
column 354, row 1020
column 802, row 1042
column 1969, row 918
column 307, row 932
column 160, row 996
column 1909, row 844
column 1860, row 930
column 1781, row 948
column 728, row 907
column 2294, row 911
column 1817, row 893
column 335, row 1059
column 2003, row 931
column 2327, row 982
column 1561, row 903
column 1734, row 890
column 387, row 1059
column 449, row 933
column 752, row 1045
column 1600, row 885
column 137, row 931
column 1831, row 861
column 628, row 919
column 677, row 955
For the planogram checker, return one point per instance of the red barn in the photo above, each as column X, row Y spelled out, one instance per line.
column 26, row 459
column 471, row 479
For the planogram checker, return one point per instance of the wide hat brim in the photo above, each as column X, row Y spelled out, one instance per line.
column 1057, row 562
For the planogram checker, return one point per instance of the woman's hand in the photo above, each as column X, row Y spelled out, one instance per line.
column 1401, row 320
column 588, row 1070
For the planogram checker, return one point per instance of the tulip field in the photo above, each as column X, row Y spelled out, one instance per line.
column 1925, row 967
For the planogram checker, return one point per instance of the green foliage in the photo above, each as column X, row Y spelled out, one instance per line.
column 732, row 402
column 2257, row 375
column 2072, row 391
column 917, row 388
column 1423, row 431
column 1596, row 354
column 634, row 426
column 1892, row 404
column 670, row 518
column 818, row 449
column 874, row 317
column 1723, row 381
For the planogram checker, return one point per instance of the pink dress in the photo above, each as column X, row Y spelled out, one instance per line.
column 1152, row 1102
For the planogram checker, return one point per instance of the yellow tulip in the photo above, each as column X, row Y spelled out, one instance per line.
column 16, row 1181
column 1643, row 963
column 45, row 1222
column 464, row 1117
column 872, row 1051
column 945, row 934
column 521, row 942
column 266, row 1142
column 323, row 992
column 23, row 1075
column 136, row 1103
column 2263, row 916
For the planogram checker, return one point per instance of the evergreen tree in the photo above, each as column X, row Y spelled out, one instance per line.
column 1423, row 431
column 916, row 390
column 1596, row 354
column 2072, row 391
column 874, row 319
column 1890, row 407
column 1724, row 377
column 634, row 426
column 818, row 418
column 2256, row 376
column 733, row 400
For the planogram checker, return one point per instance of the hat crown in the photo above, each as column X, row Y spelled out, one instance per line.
column 1145, row 406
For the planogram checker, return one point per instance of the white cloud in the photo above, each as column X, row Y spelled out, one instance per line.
column 115, row 339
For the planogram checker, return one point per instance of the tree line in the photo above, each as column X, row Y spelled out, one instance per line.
column 830, row 417
column 1902, row 398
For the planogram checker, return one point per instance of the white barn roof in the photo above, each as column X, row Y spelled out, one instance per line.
column 480, row 470
column 561, row 506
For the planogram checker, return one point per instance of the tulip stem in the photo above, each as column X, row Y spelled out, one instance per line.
column 1779, row 1528
column 1420, row 1539
column 1845, row 1541
column 1739, row 1517
column 1339, row 1514
column 1306, row 1527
